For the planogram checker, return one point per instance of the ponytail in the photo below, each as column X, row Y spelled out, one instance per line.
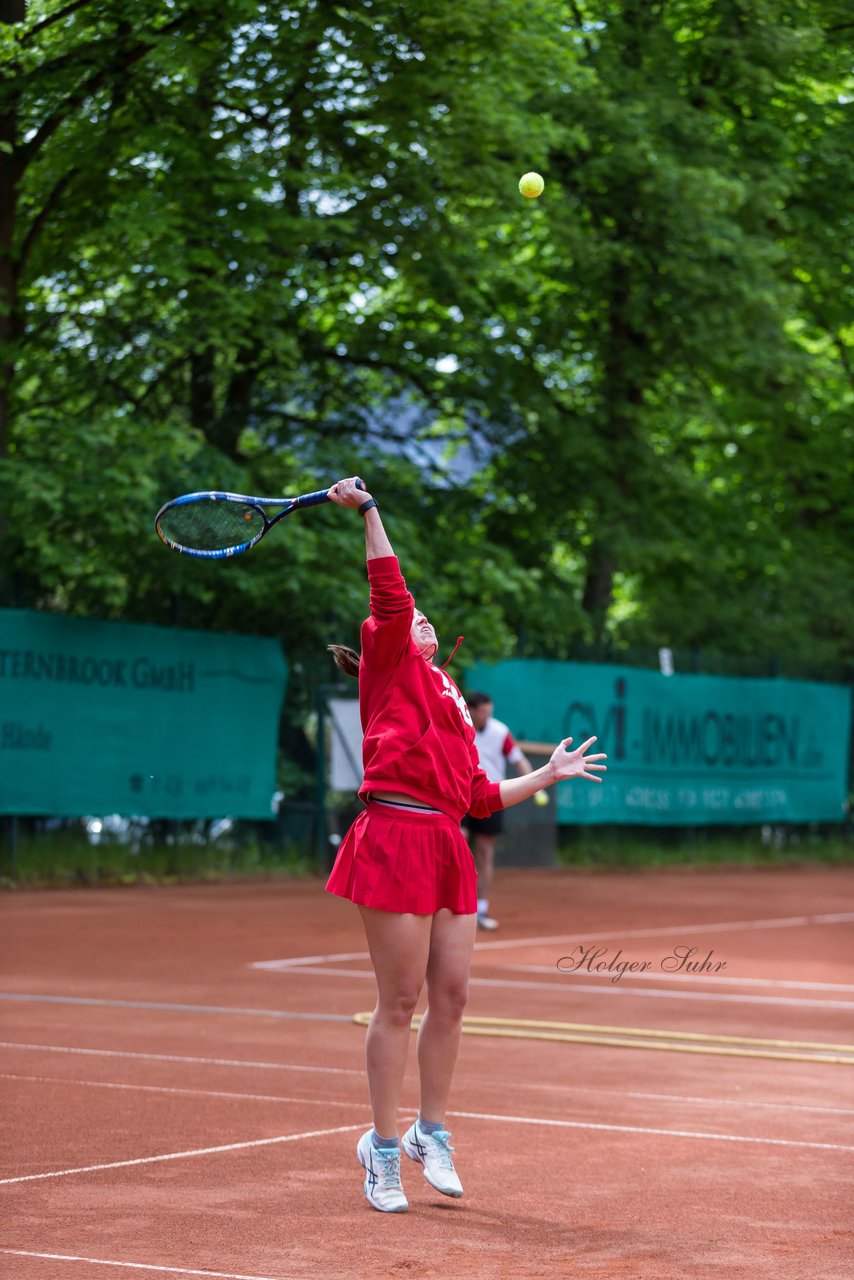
column 346, row 660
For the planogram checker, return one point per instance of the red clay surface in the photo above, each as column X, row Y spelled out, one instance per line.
column 174, row 1118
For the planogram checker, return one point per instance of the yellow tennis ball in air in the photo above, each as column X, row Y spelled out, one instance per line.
column 540, row 798
column 531, row 185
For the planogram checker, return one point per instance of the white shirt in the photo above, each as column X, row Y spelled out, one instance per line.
column 496, row 749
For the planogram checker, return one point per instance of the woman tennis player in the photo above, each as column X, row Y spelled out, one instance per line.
column 406, row 864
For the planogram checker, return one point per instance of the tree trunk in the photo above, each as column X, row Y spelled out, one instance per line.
column 202, row 390
column 623, row 396
column 598, row 588
column 11, row 11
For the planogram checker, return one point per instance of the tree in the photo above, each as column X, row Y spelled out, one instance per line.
column 258, row 248
column 670, row 325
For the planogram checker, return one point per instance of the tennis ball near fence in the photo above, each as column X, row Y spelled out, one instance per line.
column 531, row 185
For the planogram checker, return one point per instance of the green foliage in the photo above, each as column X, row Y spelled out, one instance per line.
column 187, row 854
column 66, row 857
column 258, row 247
column 605, row 849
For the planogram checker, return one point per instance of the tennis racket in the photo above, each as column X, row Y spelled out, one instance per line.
column 213, row 525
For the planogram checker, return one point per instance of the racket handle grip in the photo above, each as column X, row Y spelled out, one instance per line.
column 322, row 495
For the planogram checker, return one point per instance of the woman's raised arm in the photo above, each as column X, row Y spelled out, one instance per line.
column 346, row 494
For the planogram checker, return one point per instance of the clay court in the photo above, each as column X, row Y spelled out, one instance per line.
column 183, row 1084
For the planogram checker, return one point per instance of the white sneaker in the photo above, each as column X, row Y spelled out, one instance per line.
column 486, row 922
column 433, row 1150
column 382, row 1175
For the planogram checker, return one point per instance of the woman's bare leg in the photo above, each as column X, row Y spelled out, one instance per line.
column 400, row 946
column 448, row 965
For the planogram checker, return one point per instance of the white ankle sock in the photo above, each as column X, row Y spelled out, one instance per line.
column 383, row 1144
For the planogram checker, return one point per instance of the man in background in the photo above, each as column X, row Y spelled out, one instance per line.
column 497, row 750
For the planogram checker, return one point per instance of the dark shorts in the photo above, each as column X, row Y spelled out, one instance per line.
column 491, row 826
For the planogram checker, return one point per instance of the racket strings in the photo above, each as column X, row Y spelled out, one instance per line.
column 211, row 524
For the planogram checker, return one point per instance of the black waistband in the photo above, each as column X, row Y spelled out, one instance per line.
column 410, row 808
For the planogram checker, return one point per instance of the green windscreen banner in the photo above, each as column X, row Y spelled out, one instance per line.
column 683, row 749
column 110, row 717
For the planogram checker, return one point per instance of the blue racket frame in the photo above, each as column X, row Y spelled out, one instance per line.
column 219, row 495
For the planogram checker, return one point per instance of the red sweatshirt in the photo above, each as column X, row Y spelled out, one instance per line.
column 418, row 733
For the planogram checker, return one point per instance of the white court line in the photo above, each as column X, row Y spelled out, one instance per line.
column 780, row 922
column 276, row 1066
column 184, row 1155
column 193, row 1093
column 782, row 984
column 779, row 983
column 175, row 1057
column 667, row 1133
column 340, row 955
column 24, row 997
column 783, row 1105
column 611, row 989
column 136, row 1266
column 725, row 926
column 469, row 1115
column 719, row 997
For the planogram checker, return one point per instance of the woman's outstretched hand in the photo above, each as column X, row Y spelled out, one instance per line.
column 346, row 494
column 575, row 764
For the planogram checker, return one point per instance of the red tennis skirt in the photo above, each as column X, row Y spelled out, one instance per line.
column 397, row 860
